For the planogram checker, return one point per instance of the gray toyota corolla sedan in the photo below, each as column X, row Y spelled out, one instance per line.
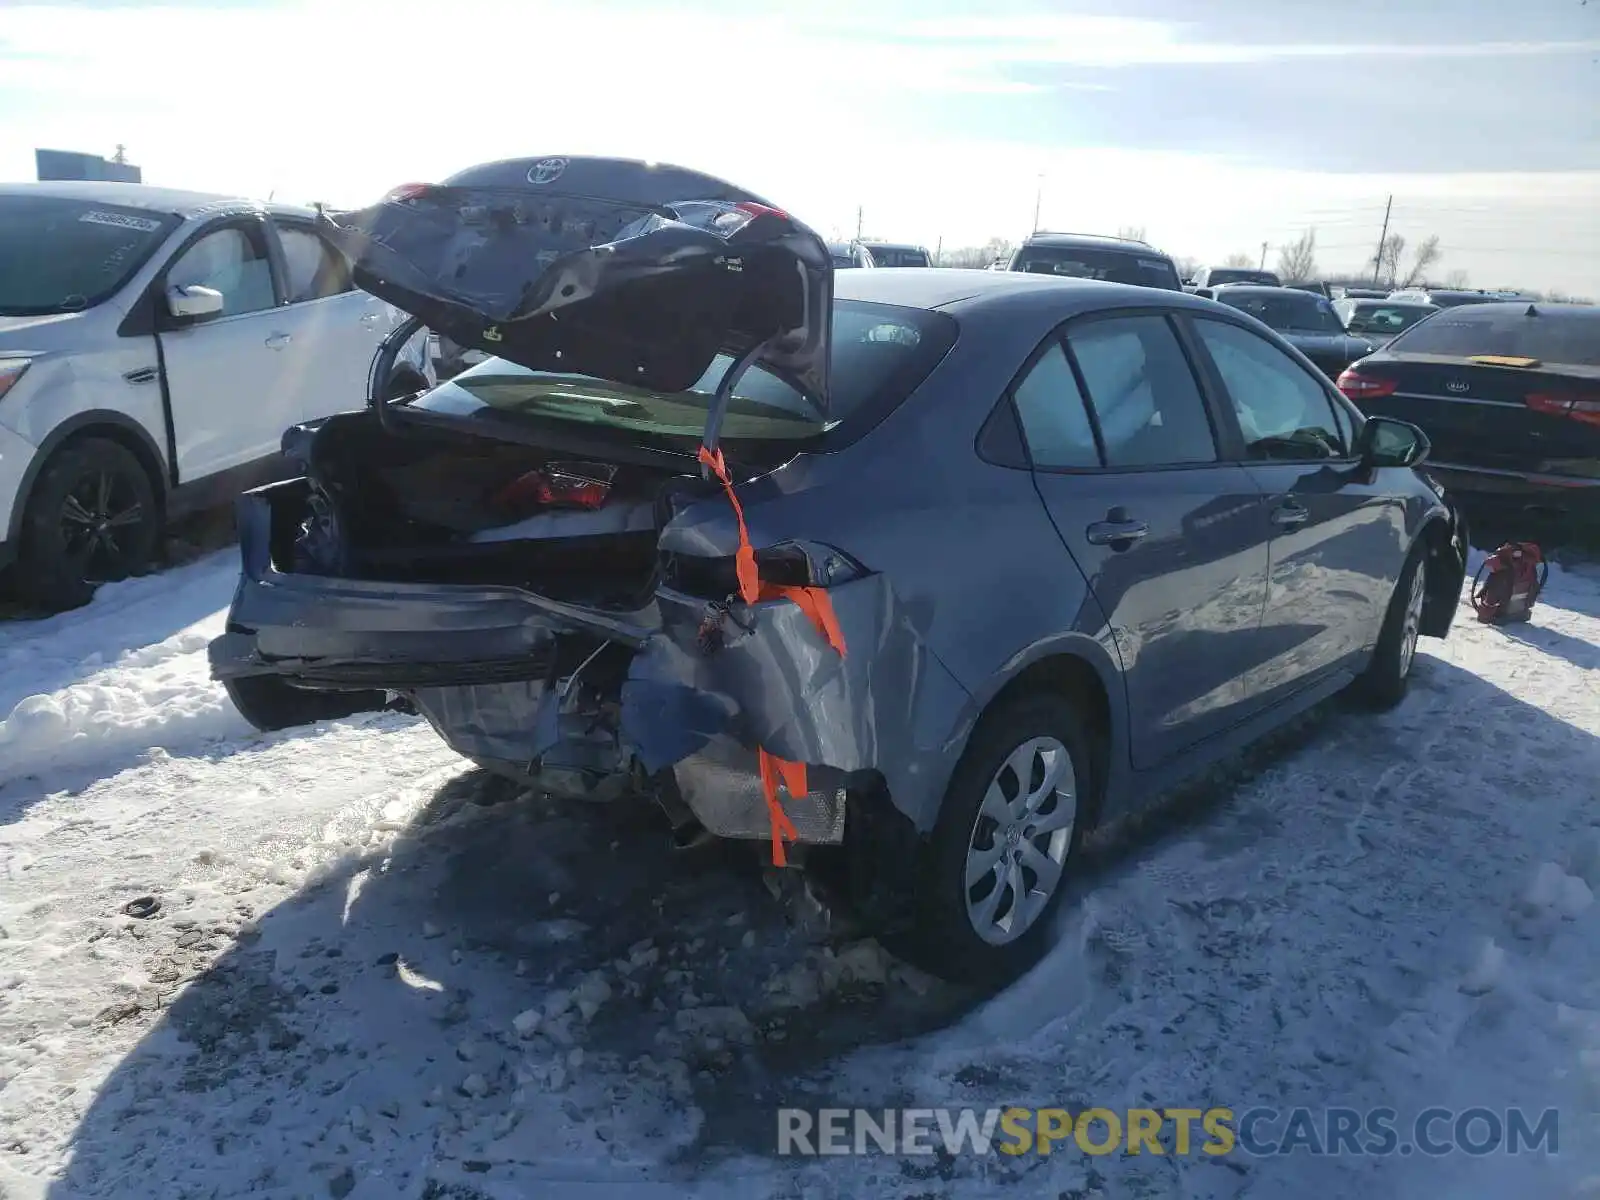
column 923, row 573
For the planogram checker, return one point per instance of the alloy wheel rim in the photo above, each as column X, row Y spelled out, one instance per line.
column 99, row 516
column 1411, row 630
column 1016, row 855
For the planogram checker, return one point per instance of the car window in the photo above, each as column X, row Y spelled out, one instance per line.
column 1055, row 422
column 65, row 255
column 1283, row 411
column 313, row 269
column 1093, row 262
column 1143, row 393
column 1552, row 334
column 229, row 261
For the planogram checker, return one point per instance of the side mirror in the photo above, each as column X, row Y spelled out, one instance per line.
column 1208, row 293
column 194, row 303
column 1386, row 442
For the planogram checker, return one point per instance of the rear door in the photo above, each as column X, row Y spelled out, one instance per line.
column 1338, row 531
column 1172, row 539
column 334, row 329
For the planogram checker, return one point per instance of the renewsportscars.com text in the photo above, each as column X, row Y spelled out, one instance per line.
column 1176, row 1131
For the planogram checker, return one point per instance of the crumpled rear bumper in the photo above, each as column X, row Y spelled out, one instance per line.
column 485, row 666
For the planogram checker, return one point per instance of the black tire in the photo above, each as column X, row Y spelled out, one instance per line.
column 945, row 938
column 1388, row 676
column 271, row 704
column 93, row 517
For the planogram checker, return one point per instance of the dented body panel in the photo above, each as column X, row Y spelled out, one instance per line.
column 956, row 581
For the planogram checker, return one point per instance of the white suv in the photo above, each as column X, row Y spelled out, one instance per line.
column 154, row 345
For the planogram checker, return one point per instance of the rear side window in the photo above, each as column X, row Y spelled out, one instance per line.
column 1568, row 336
column 1055, row 421
column 1143, row 393
column 314, row 269
column 1284, row 412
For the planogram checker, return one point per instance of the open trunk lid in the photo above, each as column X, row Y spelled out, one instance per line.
column 619, row 270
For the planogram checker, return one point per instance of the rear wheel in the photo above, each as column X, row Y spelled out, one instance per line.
column 1009, row 829
column 93, row 517
column 270, row 704
column 1387, row 678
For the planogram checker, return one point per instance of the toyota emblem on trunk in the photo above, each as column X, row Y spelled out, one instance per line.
column 546, row 170
column 1455, row 385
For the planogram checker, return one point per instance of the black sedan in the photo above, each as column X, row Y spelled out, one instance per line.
column 1509, row 395
column 1305, row 320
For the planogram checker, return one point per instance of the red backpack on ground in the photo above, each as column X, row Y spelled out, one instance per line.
column 1508, row 583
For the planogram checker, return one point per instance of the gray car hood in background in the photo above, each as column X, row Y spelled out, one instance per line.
column 620, row 270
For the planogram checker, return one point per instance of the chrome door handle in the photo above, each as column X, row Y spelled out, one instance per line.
column 1109, row 533
column 1289, row 515
column 278, row 341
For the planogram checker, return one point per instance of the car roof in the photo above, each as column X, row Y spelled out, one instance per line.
column 958, row 288
column 1088, row 241
column 175, row 201
column 1265, row 289
column 871, row 245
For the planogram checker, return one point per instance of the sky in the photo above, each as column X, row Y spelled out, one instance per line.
column 1214, row 126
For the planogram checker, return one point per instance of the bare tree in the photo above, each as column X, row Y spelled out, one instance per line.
column 1427, row 253
column 1456, row 279
column 1239, row 259
column 1188, row 267
column 977, row 257
column 1389, row 254
column 1297, row 262
column 1131, row 233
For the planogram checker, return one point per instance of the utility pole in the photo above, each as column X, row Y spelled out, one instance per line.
column 858, row 222
column 938, row 251
column 1038, row 200
column 1377, row 259
column 1263, row 256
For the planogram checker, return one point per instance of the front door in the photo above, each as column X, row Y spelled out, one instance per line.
column 1330, row 522
column 229, row 377
column 1172, row 540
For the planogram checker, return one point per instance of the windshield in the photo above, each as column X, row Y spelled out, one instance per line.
column 1385, row 318
column 879, row 354
column 1287, row 312
column 1240, row 275
column 1568, row 336
column 67, row 255
column 1089, row 262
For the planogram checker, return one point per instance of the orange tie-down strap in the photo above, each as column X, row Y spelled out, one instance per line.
column 818, row 608
column 812, row 601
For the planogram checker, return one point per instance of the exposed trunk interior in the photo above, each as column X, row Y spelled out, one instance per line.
column 438, row 506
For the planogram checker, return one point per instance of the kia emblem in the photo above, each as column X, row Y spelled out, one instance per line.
column 1456, row 386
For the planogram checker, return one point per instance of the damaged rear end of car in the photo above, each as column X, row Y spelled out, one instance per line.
column 548, row 556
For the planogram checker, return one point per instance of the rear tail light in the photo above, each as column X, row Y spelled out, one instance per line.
column 761, row 210
column 407, row 191
column 11, row 370
column 1365, row 387
column 557, row 485
column 1556, row 404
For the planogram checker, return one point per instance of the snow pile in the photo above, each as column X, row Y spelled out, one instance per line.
column 80, row 692
column 339, row 962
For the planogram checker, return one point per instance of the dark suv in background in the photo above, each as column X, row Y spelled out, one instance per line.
column 1092, row 256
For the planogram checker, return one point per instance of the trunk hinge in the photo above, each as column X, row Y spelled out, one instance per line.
column 723, row 396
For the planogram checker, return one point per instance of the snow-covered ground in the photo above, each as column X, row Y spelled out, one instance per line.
column 372, row 972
